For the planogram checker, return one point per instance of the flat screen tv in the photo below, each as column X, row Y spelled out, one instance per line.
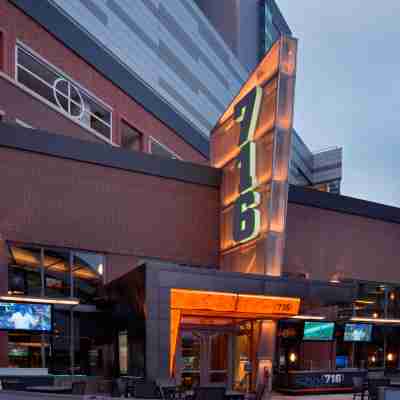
column 29, row 317
column 318, row 331
column 357, row 332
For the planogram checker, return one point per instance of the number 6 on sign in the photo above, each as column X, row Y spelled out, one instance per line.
column 246, row 217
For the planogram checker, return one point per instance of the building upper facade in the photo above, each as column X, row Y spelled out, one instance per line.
column 66, row 68
column 55, row 76
column 171, row 46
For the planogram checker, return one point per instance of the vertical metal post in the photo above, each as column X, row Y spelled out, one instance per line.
column 42, row 288
column 354, row 314
column 71, row 275
column 72, row 342
column 230, row 360
column 72, row 330
column 385, row 313
column 42, row 293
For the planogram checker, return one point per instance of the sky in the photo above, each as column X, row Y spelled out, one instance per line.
column 348, row 88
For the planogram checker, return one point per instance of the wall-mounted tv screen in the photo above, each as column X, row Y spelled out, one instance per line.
column 26, row 317
column 318, row 331
column 357, row 332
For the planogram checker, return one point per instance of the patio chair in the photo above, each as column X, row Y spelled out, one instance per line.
column 147, row 390
column 78, row 387
column 209, row 393
column 168, row 389
column 373, row 387
column 359, row 389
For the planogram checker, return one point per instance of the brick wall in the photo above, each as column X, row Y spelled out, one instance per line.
column 328, row 244
column 53, row 201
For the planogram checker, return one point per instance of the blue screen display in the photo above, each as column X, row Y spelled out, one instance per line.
column 342, row 361
column 357, row 332
column 25, row 317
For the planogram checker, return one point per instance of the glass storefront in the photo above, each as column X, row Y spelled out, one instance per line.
column 58, row 273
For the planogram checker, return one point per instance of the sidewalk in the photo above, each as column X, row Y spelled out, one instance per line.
column 12, row 395
column 277, row 396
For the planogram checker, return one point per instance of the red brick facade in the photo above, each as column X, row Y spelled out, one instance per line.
column 53, row 201
column 330, row 245
column 15, row 25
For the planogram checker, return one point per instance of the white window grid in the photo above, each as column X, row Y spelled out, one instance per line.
column 46, row 64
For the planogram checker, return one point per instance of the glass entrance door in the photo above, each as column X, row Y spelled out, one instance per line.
column 204, row 357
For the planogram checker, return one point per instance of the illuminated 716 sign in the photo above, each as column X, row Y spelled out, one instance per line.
column 246, row 216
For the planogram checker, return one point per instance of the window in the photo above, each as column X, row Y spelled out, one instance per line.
column 159, row 149
column 50, row 84
column 2, row 49
column 55, row 272
column 131, row 139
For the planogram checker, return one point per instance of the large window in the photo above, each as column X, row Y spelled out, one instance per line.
column 269, row 32
column 54, row 272
column 49, row 83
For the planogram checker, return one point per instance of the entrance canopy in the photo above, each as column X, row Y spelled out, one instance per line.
column 221, row 308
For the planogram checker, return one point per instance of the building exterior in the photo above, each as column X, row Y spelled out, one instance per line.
column 250, row 28
column 171, row 47
column 110, row 201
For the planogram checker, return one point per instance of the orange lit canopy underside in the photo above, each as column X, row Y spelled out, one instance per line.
column 217, row 308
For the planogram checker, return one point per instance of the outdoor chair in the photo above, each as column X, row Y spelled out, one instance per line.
column 168, row 389
column 209, row 393
column 78, row 387
column 147, row 390
column 359, row 388
column 373, row 387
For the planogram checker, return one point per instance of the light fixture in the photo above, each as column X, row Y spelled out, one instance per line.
column 392, row 296
column 375, row 315
column 376, row 320
column 42, row 300
column 310, row 317
column 100, row 269
column 365, row 301
column 390, row 357
column 292, row 357
column 373, row 359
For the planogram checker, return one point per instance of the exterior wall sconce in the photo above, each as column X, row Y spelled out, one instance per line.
column 373, row 359
column 292, row 357
column 390, row 357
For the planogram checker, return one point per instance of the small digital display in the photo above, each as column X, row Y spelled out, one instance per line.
column 357, row 332
column 318, row 331
column 25, row 317
column 342, row 361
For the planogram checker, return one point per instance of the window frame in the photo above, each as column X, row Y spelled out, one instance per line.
column 58, row 71
column 3, row 52
column 166, row 148
column 24, row 124
column 71, row 253
column 123, row 120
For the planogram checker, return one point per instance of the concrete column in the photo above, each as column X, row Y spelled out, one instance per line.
column 266, row 351
column 230, row 360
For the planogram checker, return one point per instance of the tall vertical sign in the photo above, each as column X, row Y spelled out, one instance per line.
column 251, row 143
